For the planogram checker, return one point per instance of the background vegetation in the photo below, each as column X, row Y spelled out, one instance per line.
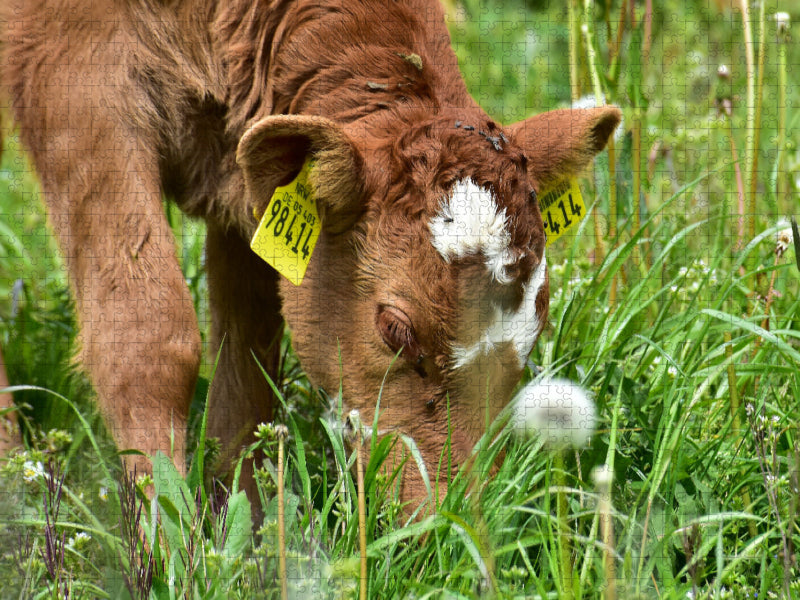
column 676, row 304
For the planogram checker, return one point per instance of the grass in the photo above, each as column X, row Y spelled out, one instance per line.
column 687, row 335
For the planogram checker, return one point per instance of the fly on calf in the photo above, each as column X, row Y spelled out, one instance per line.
column 430, row 241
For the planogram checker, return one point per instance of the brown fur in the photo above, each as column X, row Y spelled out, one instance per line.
column 120, row 102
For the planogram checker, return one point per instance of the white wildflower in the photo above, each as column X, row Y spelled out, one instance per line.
column 78, row 541
column 103, row 493
column 31, row 471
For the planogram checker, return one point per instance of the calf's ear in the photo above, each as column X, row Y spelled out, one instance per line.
column 561, row 143
column 272, row 152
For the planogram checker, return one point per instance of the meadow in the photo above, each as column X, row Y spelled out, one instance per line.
column 676, row 303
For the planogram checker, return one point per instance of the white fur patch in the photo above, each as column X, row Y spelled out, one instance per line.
column 520, row 327
column 470, row 222
column 559, row 410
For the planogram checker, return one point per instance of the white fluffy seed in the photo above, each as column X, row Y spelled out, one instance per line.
column 559, row 410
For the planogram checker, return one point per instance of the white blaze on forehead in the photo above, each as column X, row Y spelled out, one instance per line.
column 519, row 327
column 470, row 222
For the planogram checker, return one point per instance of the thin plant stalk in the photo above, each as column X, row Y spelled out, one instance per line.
column 739, row 190
column 751, row 91
column 768, row 303
column 614, row 50
column 737, row 422
column 362, row 508
column 739, row 193
column 755, row 135
column 599, row 100
column 564, row 546
column 781, row 185
column 612, row 211
column 609, row 466
column 574, row 84
column 282, row 432
column 636, row 150
column 612, row 163
column 591, row 54
column 602, row 479
column 648, row 31
column 636, row 127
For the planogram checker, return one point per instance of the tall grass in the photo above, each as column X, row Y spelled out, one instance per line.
column 688, row 340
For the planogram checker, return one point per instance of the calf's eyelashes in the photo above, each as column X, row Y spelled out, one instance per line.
column 397, row 331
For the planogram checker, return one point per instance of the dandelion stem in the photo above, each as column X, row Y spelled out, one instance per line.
column 599, row 100
column 739, row 190
column 755, row 134
column 591, row 55
column 603, row 478
column 751, row 96
column 362, row 512
column 737, row 423
column 612, row 213
column 636, row 129
column 781, row 191
column 282, row 433
column 564, row 548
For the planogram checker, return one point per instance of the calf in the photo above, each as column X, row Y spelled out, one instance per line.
column 430, row 242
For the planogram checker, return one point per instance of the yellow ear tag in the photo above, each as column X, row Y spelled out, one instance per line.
column 562, row 208
column 289, row 228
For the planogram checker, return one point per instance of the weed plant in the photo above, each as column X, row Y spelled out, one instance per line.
column 675, row 303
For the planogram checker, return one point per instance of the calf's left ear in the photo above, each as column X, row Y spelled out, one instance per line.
column 273, row 150
column 561, row 143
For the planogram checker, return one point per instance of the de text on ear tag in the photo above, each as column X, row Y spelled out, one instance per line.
column 562, row 208
column 289, row 228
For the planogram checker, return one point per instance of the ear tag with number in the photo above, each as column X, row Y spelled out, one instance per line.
column 562, row 208
column 289, row 228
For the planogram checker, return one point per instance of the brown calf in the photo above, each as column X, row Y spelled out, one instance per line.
column 432, row 243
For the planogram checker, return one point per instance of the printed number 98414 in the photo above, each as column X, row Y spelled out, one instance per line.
column 289, row 223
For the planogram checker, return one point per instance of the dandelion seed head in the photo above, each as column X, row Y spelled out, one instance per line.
column 559, row 410
column 783, row 239
column 783, row 21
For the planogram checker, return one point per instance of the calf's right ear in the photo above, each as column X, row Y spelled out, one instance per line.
column 274, row 149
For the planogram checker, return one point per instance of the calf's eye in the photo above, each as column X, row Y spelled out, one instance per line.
column 397, row 332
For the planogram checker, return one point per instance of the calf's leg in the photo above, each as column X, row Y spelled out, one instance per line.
column 246, row 328
column 139, row 338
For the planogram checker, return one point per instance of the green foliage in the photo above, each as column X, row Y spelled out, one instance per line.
column 688, row 340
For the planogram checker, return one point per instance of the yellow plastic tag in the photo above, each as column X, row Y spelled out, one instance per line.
column 562, row 208
column 289, row 228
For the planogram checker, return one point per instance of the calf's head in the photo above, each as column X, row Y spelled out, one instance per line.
column 432, row 251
